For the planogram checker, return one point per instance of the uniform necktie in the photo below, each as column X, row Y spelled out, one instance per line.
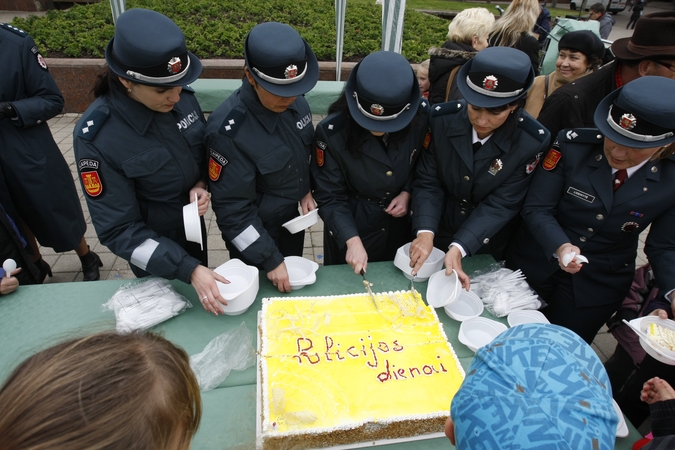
column 477, row 145
column 620, row 177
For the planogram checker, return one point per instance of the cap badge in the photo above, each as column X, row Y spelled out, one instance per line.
column 376, row 109
column 628, row 121
column 490, row 82
column 291, row 71
column 174, row 65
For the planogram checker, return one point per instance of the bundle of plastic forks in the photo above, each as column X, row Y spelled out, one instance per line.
column 504, row 290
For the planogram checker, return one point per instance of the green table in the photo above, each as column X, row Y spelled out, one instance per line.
column 36, row 317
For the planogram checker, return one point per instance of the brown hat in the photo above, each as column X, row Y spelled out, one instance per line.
column 653, row 38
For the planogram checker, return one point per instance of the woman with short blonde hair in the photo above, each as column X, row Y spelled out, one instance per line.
column 131, row 391
column 467, row 34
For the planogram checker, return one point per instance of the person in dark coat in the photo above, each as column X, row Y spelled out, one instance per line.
column 473, row 180
column 366, row 151
column 31, row 162
column 140, row 155
column 260, row 145
column 592, row 197
column 650, row 51
column 637, row 13
column 467, row 34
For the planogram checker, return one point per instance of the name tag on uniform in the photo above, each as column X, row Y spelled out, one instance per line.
column 580, row 194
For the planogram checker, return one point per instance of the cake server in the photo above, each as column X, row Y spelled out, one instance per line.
column 367, row 284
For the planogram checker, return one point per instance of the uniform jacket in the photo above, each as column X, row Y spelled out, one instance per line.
column 353, row 192
column 571, row 200
column 39, row 179
column 456, row 191
column 137, row 167
column 258, row 171
column 573, row 105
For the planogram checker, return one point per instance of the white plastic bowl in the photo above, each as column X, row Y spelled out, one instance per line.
column 243, row 288
column 191, row 223
column 442, row 290
column 433, row 263
column 479, row 332
column 467, row 306
column 300, row 223
column 519, row 317
column 621, row 428
column 656, row 351
column 301, row 271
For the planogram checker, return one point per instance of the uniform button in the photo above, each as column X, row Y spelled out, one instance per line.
column 383, row 230
column 387, row 193
column 644, row 189
column 467, row 178
column 486, row 241
column 330, row 232
column 463, row 213
column 389, row 173
column 655, row 169
column 590, row 230
column 38, row 122
column 599, row 217
column 582, row 238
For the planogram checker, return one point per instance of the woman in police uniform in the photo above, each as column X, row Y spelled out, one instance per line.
column 366, row 150
column 473, row 180
column 140, row 155
column 593, row 195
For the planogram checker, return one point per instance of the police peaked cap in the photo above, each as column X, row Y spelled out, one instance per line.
column 280, row 60
column 382, row 92
column 149, row 48
column 495, row 77
column 640, row 114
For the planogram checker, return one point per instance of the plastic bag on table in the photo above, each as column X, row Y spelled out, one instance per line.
column 232, row 350
column 142, row 304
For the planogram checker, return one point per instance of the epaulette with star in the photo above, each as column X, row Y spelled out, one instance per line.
column 441, row 109
column 14, row 29
column 581, row 135
column 424, row 105
column 232, row 122
column 333, row 124
column 533, row 128
column 92, row 123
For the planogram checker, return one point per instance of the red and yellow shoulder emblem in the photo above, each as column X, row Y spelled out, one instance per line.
column 91, row 179
column 319, row 153
column 216, row 164
column 551, row 159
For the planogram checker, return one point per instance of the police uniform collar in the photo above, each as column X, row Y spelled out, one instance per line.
column 268, row 119
column 137, row 115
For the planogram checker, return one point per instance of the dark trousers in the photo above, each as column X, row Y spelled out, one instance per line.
column 558, row 292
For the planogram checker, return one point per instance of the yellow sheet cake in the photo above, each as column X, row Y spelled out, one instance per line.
column 336, row 370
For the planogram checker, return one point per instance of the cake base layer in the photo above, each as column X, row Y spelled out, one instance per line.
column 338, row 370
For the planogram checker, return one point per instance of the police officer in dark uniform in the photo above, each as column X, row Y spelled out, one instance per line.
column 140, row 154
column 473, row 180
column 366, row 151
column 259, row 147
column 594, row 195
column 38, row 179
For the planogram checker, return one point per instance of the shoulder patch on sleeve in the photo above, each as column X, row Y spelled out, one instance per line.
column 319, row 149
column 441, row 109
column 188, row 88
column 92, row 182
column 232, row 122
column 13, row 29
column 581, row 135
column 533, row 128
column 92, row 123
column 216, row 164
column 552, row 157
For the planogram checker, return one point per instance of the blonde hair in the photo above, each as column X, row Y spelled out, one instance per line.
column 519, row 18
column 469, row 23
column 424, row 66
column 133, row 391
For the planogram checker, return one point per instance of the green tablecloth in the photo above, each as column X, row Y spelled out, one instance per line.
column 36, row 317
column 212, row 92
